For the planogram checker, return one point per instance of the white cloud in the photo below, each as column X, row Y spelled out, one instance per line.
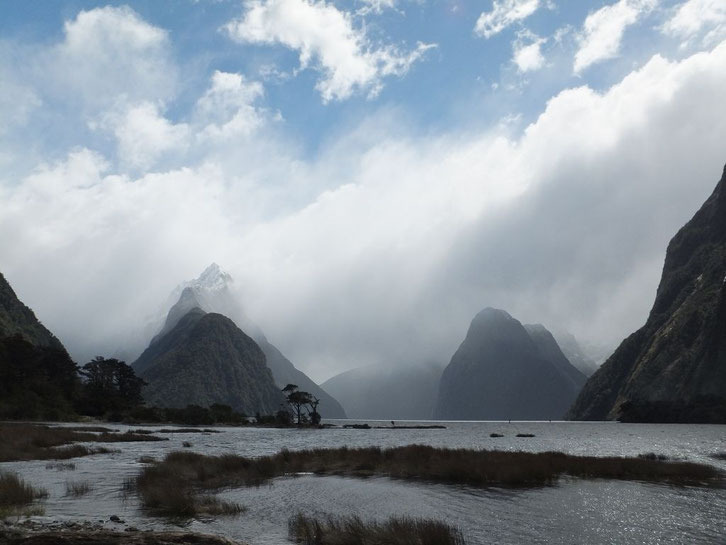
column 326, row 40
column 565, row 223
column 228, row 106
column 694, row 16
column 603, row 31
column 416, row 233
column 110, row 51
column 528, row 52
column 504, row 13
column 376, row 6
column 144, row 135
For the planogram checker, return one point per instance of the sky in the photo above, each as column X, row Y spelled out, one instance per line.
column 371, row 172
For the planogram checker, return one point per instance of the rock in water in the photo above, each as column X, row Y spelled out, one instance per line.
column 206, row 359
column 673, row 369
column 500, row 373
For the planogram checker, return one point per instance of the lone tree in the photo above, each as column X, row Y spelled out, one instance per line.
column 304, row 405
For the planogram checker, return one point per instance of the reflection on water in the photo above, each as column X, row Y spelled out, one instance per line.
column 575, row 511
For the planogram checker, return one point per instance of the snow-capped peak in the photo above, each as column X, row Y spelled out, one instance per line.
column 213, row 278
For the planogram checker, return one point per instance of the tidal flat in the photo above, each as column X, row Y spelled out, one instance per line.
column 668, row 486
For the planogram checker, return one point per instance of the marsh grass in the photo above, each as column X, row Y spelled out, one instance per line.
column 16, row 496
column 352, row 530
column 77, row 489
column 19, row 441
column 171, row 485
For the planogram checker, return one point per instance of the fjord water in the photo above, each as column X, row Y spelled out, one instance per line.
column 574, row 511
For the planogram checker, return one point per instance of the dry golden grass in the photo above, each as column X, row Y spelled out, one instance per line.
column 20, row 441
column 16, row 494
column 185, row 473
column 354, row 531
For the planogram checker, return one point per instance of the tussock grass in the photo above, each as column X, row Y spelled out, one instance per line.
column 77, row 488
column 354, row 531
column 16, row 494
column 170, row 485
column 19, row 441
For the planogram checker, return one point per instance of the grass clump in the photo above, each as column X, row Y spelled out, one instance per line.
column 170, row 485
column 352, row 530
column 16, row 494
column 20, row 441
column 77, row 489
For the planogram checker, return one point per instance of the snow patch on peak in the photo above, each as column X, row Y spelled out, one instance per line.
column 213, row 278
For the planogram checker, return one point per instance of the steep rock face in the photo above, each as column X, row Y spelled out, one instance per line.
column 284, row 373
column 205, row 359
column 500, row 373
column 16, row 318
column 211, row 293
column 387, row 393
column 551, row 351
column 673, row 369
column 575, row 353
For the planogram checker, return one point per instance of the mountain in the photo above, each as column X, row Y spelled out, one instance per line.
column 38, row 379
column 205, row 359
column 16, row 318
column 387, row 393
column 551, row 351
column 501, row 373
column 211, row 292
column 575, row 353
column 673, row 369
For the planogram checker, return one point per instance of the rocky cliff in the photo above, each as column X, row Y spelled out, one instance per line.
column 673, row 369
column 18, row 319
column 206, row 359
column 211, row 292
column 500, row 373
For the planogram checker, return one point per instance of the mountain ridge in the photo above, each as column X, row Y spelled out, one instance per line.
column 674, row 367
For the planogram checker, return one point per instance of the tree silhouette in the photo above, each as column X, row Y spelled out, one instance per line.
column 301, row 401
column 110, row 385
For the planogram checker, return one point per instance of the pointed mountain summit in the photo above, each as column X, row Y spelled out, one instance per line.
column 205, row 359
column 211, row 292
column 501, row 373
column 673, row 369
column 18, row 319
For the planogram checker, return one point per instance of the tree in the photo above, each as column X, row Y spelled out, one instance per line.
column 301, row 401
column 36, row 382
column 110, row 385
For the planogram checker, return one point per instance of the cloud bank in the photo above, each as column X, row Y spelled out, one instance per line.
column 380, row 248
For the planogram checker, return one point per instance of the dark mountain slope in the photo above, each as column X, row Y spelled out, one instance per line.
column 211, row 293
column 551, row 351
column 500, row 373
column 206, row 359
column 38, row 379
column 16, row 318
column 674, row 367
